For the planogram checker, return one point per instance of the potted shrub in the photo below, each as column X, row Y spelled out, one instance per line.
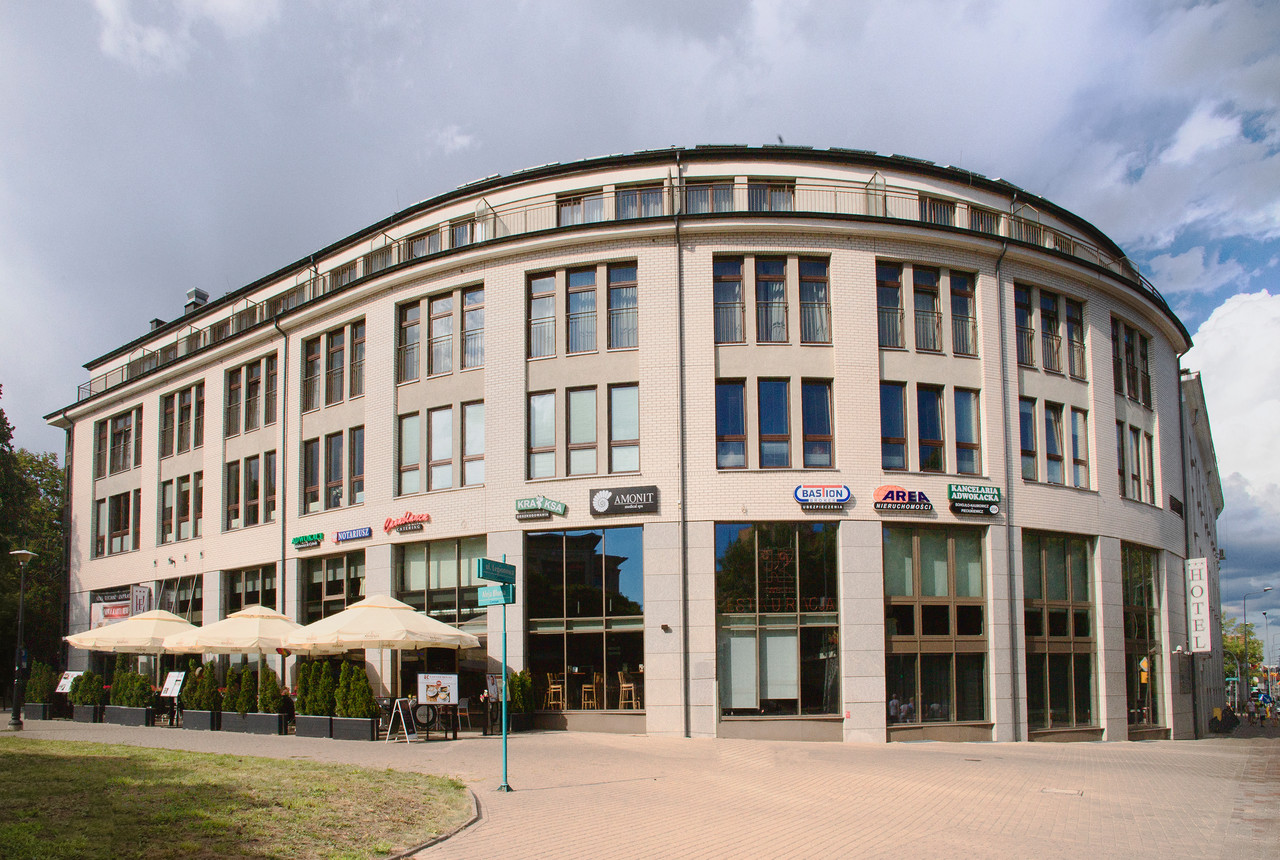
column 314, row 717
column 87, row 698
column 520, row 706
column 239, row 699
column 266, row 717
column 39, row 693
column 130, row 703
column 355, row 713
column 201, row 701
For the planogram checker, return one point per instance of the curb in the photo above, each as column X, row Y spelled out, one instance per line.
column 475, row 816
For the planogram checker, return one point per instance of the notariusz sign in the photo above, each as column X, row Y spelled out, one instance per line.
column 823, row 497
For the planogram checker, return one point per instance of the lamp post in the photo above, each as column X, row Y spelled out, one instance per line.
column 1237, row 662
column 1266, row 634
column 19, row 684
column 1264, row 590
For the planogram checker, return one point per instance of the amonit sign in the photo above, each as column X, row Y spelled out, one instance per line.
column 890, row 498
column 624, row 500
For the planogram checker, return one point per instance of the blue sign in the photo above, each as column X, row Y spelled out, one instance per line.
column 496, row 595
column 497, row 571
column 825, row 496
column 353, row 534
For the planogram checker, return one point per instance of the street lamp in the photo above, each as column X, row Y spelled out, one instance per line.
column 1266, row 634
column 19, row 684
column 1237, row 662
column 1264, row 590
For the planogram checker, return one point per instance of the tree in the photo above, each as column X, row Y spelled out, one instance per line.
column 1241, row 642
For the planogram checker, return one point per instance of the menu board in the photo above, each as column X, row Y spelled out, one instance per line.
column 172, row 684
column 64, row 683
column 437, row 689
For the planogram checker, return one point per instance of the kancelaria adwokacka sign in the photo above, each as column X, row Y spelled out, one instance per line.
column 974, row 499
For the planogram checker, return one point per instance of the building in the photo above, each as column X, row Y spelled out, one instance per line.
column 782, row 443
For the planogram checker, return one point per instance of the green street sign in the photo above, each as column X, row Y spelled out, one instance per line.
column 497, row 571
column 496, row 595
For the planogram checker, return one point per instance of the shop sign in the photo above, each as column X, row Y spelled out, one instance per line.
column 974, row 499
column 437, row 689
column 308, row 541
column 353, row 534
column 140, row 597
column 1198, row 605
column 891, row 498
column 624, row 500
column 539, row 508
column 109, row 606
column 407, row 523
column 822, row 497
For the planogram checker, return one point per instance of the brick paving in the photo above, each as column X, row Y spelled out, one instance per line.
column 580, row 795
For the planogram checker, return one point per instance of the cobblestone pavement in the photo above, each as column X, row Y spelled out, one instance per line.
column 581, row 795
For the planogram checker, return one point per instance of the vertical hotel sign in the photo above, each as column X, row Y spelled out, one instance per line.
column 1198, row 605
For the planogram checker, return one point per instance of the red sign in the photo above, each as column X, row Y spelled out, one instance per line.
column 399, row 523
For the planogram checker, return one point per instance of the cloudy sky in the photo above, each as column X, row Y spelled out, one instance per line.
column 151, row 146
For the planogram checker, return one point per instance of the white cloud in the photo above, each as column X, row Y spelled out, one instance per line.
column 151, row 35
column 1188, row 272
column 450, row 139
column 1203, row 131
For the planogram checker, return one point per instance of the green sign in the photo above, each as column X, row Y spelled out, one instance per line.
column 973, row 493
column 497, row 571
column 496, row 595
column 304, row 541
column 539, row 507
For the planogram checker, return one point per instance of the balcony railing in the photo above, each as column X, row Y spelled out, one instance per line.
column 332, row 385
column 624, row 328
column 535, row 214
column 729, row 322
column 473, row 348
column 1051, row 351
column 815, row 322
column 357, row 377
column 1146, row 388
column 891, row 328
column 407, row 362
column 1026, row 346
column 929, row 331
column 582, row 331
column 441, row 358
column 1075, row 363
column 542, row 338
column 310, row 392
column 964, row 335
column 771, row 322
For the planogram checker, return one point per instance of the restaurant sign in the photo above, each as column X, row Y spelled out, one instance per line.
column 307, row 541
column 353, row 534
column 539, row 508
column 974, row 499
column 891, row 498
column 822, row 497
column 624, row 500
column 408, row 523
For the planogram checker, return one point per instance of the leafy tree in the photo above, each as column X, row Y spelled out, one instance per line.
column 1241, row 642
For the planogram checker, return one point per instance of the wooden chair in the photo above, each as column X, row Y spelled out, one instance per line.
column 626, row 692
column 589, row 700
column 555, row 693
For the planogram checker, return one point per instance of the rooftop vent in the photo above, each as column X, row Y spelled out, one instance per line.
column 156, row 323
column 196, row 298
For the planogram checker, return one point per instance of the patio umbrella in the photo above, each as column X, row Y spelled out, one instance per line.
column 379, row 621
column 252, row 630
column 139, row 634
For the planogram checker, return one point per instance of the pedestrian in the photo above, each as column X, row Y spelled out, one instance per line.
column 1251, row 708
column 894, row 707
column 909, row 710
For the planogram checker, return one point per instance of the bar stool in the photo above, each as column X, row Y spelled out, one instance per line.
column 589, row 697
column 626, row 692
column 555, row 693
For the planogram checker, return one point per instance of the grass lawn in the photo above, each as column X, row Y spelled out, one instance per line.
column 62, row 799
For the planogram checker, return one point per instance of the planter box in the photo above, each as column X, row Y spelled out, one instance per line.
column 355, row 728
column 254, row 724
column 87, row 713
column 312, row 727
column 204, row 721
column 37, row 711
column 123, row 716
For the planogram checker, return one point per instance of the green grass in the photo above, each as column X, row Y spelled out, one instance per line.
column 63, row 799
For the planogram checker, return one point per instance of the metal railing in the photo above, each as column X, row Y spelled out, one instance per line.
column 582, row 331
column 310, row 392
column 1026, row 346
column 542, row 337
column 440, row 358
column 815, row 322
column 1051, row 351
column 407, row 362
column 624, row 328
column 890, row 320
column 929, row 331
column 1075, row 359
column 771, row 322
column 473, row 348
column 730, row 320
column 964, row 335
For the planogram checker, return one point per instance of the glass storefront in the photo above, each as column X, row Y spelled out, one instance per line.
column 331, row 584
column 776, row 618
column 439, row 577
column 1059, row 626
column 249, row 587
column 1140, row 569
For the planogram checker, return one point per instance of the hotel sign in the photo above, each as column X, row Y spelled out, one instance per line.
column 407, row 523
column 353, row 534
column 822, row 497
column 624, row 500
column 892, row 498
column 1198, row 625
column 539, row 508
column 307, row 541
column 974, row 499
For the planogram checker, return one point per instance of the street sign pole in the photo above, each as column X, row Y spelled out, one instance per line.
column 505, row 593
column 506, row 786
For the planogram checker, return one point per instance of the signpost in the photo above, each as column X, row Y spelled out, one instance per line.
column 499, row 595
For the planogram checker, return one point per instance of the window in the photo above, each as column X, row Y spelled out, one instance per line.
column 333, row 473
column 166, row 511
column 1075, row 339
column 1080, row 448
column 770, row 196
column 815, row 302
column 269, row 399
column 126, row 435
column 190, row 505
column 408, row 479
column 473, row 328
column 771, row 300
column 582, row 431
column 100, row 448
column 254, row 586
column 1025, row 330
column 1050, row 339
column 343, row 275
column 935, row 621
column 586, row 612
column 642, row 202
column 269, row 487
column 624, row 428
column 311, row 374
column 167, row 415
column 704, row 197
column 1124, row 482
column 731, row 425
column 231, row 495
column 889, row 304
column 440, row 448
column 893, row 426
column 1149, row 460
column 355, row 471
column 331, row 584
column 1135, row 464
column 1117, row 363
column 424, row 244
column 407, row 343
column 439, row 577
column 252, row 395
column 99, row 528
column 815, row 407
column 984, row 220
column 1140, row 574
column 1144, row 370
column 775, row 424
column 582, row 310
column 473, row 443
column 930, row 420
column 729, row 307
column 964, row 320
column 542, row 316
column 968, row 441
column 197, row 426
column 928, row 311
column 1131, row 362
column 777, row 639
column 334, row 364
column 542, row 435
column 461, row 232
column 1054, row 473
column 935, row 211
column 1059, row 626
column 252, row 489
column 1027, row 431
column 623, row 311
column 440, row 354
column 356, row 384
column 582, row 208
column 310, row 476
column 183, row 596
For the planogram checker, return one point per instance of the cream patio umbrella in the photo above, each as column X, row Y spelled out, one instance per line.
column 138, row 634
column 379, row 621
column 252, row 630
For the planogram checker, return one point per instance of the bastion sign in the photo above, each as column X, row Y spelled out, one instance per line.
column 822, row 497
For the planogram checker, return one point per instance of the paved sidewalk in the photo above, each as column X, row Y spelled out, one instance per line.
column 581, row 795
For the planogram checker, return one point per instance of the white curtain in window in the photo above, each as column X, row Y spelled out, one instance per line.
column 779, row 663
column 738, row 669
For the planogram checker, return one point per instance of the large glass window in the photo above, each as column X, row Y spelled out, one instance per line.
column 889, row 304
column 1024, row 327
column 816, row 412
column 473, row 443
column 1050, row 339
column 407, row 342
column 893, row 425
column 333, row 474
column 253, row 586
column 182, row 595
column 968, row 441
column 542, row 315
column 776, row 618
column 311, row 363
column 1140, row 569
column 440, row 356
column 440, row 448
column 929, row 418
column 775, row 424
column 1075, row 339
column 623, row 312
column 408, row 478
column 473, row 328
column 640, row 202
column 1027, row 432
column 586, row 614
column 335, row 362
column 582, row 431
column 439, row 577
column 815, row 302
column 1080, row 448
column 542, row 435
column 731, row 425
column 964, row 321
column 1059, row 627
column 771, row 300
column 310, row 476
column 935, row 624
column 1053, row 451
column 582, row 310
column 624, row 428
column 331, row 584
column 729, row 308
column 356, row 467
column 928, row 311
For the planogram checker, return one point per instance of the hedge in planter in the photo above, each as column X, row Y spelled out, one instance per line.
column 130, row 703
column 355, row 711
column 39, row 692
column 201, row 701
column 88, row 696
column 314, row 707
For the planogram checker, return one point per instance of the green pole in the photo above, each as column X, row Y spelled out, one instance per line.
column 506, row 786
